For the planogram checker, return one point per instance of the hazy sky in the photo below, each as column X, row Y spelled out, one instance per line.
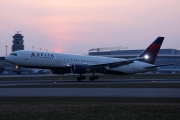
column 75, row 26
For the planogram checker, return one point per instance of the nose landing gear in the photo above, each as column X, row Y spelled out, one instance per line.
column 18, row 70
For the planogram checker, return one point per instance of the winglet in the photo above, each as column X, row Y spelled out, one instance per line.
column 152, row 51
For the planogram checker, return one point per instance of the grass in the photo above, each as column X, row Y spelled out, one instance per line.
column 89, row 108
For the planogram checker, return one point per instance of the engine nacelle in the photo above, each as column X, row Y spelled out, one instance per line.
column 80, row 69
column 61, row 71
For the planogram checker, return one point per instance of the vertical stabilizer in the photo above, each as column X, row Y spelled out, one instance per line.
column 152, row 51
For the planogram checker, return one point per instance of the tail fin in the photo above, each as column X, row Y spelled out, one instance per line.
column 152, row 51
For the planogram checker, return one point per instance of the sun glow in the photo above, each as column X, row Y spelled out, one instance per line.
column 77, row 25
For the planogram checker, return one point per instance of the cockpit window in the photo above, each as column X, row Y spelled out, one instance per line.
column 14, row 54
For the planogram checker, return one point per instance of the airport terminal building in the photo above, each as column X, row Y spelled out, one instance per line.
column 165, row 56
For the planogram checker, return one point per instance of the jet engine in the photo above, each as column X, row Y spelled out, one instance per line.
column 79, row 69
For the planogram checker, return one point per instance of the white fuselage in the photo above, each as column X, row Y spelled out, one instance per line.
column 49, row 60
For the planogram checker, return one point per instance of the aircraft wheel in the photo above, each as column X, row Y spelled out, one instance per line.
column 79, row 79
column 83, row 77
column 91, row 78
column 96, row 77
column 18, row 73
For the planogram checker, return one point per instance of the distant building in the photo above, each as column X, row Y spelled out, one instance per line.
column 165, row 56
column 8, row 68
column 17, row 42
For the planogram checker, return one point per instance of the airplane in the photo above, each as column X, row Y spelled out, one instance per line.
column 61, row 63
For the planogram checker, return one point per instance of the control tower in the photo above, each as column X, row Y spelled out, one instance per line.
column 17, row 42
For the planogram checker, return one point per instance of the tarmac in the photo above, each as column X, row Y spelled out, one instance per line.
column 87, row 92
column 91, row 92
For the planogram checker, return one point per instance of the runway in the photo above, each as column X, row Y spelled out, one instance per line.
column 104, row 81
column 91, row 92
column 8, row 88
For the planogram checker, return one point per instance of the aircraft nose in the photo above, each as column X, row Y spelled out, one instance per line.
column 7, row 58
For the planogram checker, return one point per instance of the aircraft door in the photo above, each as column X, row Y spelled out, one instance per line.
column 25, row 56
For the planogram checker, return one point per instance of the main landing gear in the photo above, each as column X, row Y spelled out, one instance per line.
column 81, row 78
column 92, row 78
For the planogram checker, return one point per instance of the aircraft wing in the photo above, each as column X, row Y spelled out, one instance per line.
column 115, row 64
column 156, row 66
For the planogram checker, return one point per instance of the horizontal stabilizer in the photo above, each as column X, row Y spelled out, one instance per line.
column 156, row 66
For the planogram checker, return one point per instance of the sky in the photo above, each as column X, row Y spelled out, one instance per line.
column 76, row 26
